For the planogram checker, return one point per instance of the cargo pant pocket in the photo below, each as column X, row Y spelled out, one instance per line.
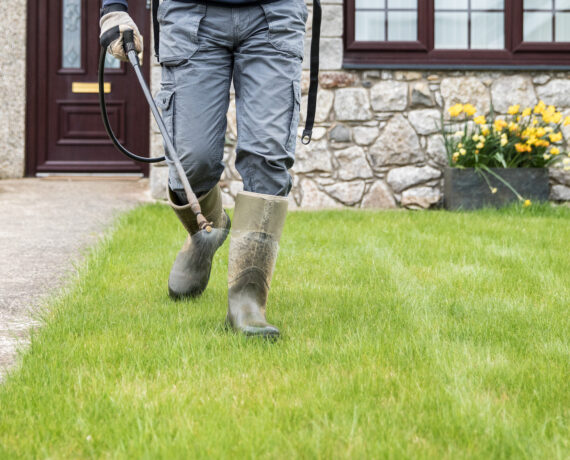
column 164, row 100
column 292, row 140
column 286, row 20
column 179, row 24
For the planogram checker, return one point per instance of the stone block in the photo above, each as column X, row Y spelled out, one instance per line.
column 556, row 93
column 421, row 95
column 425, row 121
column 313, row 198
column 420, row 197
column 331, row 52
column 340, row 133
column 398, row 144
column 352, row 164
column 348, row 193
column 560, row 193
column 313, row 157
column 465, row 90
column 332, row 21
column 389, row 96
column 329, row 80
column 436, row 150
column 402, row 178
column 158, row 182
column 379, row 197
column 351, row 104
column 511, row 90
column 325, row 100
column 365, row 135
column 560, row 176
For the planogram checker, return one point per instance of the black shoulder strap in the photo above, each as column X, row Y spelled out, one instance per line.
column 314, row 85
column 155, row 26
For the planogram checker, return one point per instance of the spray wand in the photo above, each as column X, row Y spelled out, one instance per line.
column 170, row 151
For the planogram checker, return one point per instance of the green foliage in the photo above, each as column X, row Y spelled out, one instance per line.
column 405, row 335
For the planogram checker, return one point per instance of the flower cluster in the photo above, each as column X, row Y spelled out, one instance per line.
column 528, row 138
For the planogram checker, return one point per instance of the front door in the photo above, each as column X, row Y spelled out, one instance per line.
column 65, row 131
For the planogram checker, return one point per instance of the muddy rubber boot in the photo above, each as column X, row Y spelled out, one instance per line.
column 191, row 270
column 258, row 223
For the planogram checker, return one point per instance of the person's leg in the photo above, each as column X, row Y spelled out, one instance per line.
column 195, row 52
column 267, row 73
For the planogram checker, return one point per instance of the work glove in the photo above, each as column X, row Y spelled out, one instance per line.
column 113, row 24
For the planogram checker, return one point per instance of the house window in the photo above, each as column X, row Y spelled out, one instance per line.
column 457, row 33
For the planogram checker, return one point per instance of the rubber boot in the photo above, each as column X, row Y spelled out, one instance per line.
column 258, row 224
column 191, row 270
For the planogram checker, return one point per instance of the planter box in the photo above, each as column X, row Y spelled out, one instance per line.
column 466, row 189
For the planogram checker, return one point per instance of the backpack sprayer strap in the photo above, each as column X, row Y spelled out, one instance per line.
column 314, row 85
column 315, row 43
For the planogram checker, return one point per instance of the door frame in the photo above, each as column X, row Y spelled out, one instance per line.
column 37, row 54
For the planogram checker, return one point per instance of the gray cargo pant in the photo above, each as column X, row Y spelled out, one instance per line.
column 202, row 47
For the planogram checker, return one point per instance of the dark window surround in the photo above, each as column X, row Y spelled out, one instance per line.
column 421, row 53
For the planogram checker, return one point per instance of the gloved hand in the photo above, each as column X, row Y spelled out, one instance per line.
column 113, row 24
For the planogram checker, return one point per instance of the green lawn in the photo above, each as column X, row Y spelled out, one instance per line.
column 405, row 335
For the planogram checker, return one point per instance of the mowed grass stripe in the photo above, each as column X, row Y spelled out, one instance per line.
column 418, row 335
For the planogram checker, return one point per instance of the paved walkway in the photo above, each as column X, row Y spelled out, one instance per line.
column 44, row 225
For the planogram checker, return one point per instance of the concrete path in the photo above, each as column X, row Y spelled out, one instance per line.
column 44, row 225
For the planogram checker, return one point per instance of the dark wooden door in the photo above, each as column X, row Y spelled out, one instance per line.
column 65, row 131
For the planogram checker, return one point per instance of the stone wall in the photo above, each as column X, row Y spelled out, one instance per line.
column 12, row 89
column 376, row 141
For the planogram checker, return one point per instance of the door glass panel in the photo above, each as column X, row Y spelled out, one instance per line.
column 112, row 62
column 450, row 4
column 381, row 20
column 563, row 4
column 538, row 4
column 373, row 4
column 71, row 34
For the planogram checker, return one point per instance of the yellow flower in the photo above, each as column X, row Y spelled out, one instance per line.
column 460, row 145
column 547, row 117
column 480, row 145
column 493, row 190
column 546, row 156
column 542, row 143
column 521, row 148
column 469, row 110
column 549, row 129
column 455, row 157
column 567, row 121
column 527, row 203
column 555, row 151
column 526, row 112
column 458, row 133
column 513, row 127
column 462, row 151
column 485, row 132
column 475, row 137
column 540, row 107
column 557, row 118
column 540, row 132
column 500, row 124
column 456, row 110
column 535, row 121
column 504, row 140
column 514, row 109
column 480, row 120
column 555, row 137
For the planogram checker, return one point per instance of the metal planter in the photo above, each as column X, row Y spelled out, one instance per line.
column 466, row 189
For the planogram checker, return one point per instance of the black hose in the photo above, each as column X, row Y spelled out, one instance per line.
column 105, row 116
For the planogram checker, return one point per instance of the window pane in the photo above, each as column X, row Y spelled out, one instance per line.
column 563, row 27
column 402, row 26
column 71, row 34
column 563, row 4
column 538, row 4
column 487, row 31
column 451, row 30
column 376, row 4
column 403, row 4
column 537, row 27
column 450, row 4
column 369, row 26
column 487, row 4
